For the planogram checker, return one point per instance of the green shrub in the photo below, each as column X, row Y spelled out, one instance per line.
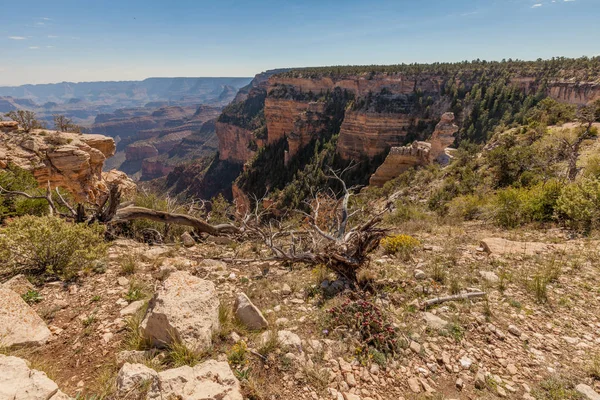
column 517, row 206
column 402, row 245
column 578, row 205
column 509, row 208
column 541, row 199
column 467, row 207
column 17, row 179
column 49, row 245
column 32, row 296
column 592, row 167
column 404, row 212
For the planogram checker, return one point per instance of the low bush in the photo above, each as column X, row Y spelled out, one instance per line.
column 369, row 321
column 578, row 205
column 513, row 207
column 402, row 245
column 49, row 245
column 468, row 207
column 16, row 179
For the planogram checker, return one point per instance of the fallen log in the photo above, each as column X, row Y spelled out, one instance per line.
column 131, row 213
column 462, row 296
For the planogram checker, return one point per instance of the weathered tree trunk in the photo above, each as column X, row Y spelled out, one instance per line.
column 131, row 213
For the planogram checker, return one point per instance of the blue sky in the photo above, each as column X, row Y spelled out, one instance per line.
column 45, row 41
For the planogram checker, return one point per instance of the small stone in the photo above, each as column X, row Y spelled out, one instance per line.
column 415, row 347
column 132, row 308
column 500, row 390
column 459, row 384
column 414, row 385
column 248, row 313
column 107, row 337
column 514, row 330
column 489, row 276
column 350, row 379
column 187, row 240
column 419, row 274
column 434, row 322
column 131, row 356
column 480, row 381
column 286, row 290
column 122, row 281
column 512, row 369
column 587, row 391
column 466, row 362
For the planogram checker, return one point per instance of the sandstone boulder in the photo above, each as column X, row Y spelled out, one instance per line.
column 19, row 323
column 587, row 392
column 434, row 322
column 211, row 380
column 18, row 381
column 502, row 246
column 248, row 313
column 19, row 284
column 123, row 182
column 185, row 308
column 134, row 377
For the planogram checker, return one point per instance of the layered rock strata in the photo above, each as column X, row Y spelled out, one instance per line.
column 369, row 134
column 401, row 159
column 67, row 160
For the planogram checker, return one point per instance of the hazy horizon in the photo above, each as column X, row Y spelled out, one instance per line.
column 134, row 40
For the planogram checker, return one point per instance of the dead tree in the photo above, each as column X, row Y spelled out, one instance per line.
column 342, row 248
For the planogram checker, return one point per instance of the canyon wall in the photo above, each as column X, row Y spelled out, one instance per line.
column 235, row 143
column 363, row 132
column 370, row 134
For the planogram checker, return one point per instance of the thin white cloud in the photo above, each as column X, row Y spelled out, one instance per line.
column 469, row 13
column 52, row 36
column 17, row 37
column 536, row 5
column 34, row 47
column 569, row 1
column 49, row 47
column 46, row 18
column 40, row 24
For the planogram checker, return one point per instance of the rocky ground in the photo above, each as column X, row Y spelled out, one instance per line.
column 535, row 334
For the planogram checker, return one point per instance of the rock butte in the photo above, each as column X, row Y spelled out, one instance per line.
column 403, row 158
column 71, row 161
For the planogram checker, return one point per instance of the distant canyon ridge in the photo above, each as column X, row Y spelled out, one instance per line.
column 83, row 101
column 146, row 118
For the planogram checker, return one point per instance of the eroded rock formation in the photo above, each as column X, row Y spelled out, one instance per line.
column 403, row 158
column 67, row 160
